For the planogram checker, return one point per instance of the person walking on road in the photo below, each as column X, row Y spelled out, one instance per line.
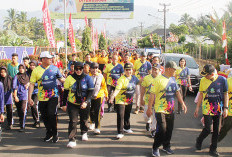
column 78, row 89
column 163, row 92
column 123, row 95
column 183, row 80
column 146, row 85
column 46, row 75
column 214, row 99
column 12, row 68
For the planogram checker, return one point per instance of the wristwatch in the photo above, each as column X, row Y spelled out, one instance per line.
column 226, row 108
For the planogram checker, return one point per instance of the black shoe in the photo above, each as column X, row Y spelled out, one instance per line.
column 214, row 153
column 21, row 130
column 148, row 127
column 55, row 139
column 36, row 125
column 153, row 133
column 47, row 138
column 168, row 151
column 198, row 145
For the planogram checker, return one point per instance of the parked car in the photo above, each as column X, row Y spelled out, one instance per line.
column 190, row 63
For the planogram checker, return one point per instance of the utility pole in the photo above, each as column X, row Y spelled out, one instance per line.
column 164, row 10
column 141, row 27
column 65, row 36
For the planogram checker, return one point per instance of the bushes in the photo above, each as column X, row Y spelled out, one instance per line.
column 4, row 62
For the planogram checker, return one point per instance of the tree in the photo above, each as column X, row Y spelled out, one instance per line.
column 187, row 20
column 178, row 30
column 11, row 21
column 102, row 42
column 146, row 41
column 86, row 40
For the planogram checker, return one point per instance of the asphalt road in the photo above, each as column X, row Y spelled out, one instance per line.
column 187, row 128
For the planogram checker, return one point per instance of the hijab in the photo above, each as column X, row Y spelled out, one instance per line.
column 6, row 81
column 23, row 78
column 78, row 79
column 29, row 71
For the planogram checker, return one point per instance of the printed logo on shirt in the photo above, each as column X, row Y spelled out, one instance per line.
column 212, row 90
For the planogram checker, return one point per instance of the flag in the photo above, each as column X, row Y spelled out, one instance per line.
column 160, row 45
column 48, row 25
column 151, row 39
column 104, row 31
column 224, row 42
column 96, row 39
column 93, row 39
column 71, row 34
column 86, row 20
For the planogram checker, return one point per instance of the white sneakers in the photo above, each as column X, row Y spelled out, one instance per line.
column 84, row 137
column 92, row 126
column 97, row 131
column 129, row 131
column 119, row 136
column 71, row 144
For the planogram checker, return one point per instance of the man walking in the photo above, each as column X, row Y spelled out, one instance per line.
column 45, row 75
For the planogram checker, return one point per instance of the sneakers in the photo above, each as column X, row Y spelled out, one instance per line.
column 47, row 138
column 21, row 130
column 85, row 137
column 214, row 153
column 97, row 131
column 155, row 152
column 55, row 139
column 136, row 110
column 153, row 133
column 141, row 110
column 168, row 151
column 148, row 126
column 129, row 131
column 119, row 136
column 36, row 125
column 92, row 126
column 72, row 144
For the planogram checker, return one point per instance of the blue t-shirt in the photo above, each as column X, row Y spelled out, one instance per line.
column 22, row 92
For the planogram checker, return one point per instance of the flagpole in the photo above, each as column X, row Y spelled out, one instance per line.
column 65, row 35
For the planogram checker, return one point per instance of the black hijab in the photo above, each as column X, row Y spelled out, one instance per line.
column 6, row 81
column 78, row 79
column 29, row 71
column 23, row 78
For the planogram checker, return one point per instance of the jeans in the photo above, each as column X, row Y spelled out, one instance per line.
column 165, row 124
column 206, row 131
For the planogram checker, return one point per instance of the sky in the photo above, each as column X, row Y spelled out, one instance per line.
column 193, row 7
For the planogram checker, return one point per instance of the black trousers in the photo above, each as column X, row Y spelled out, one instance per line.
column 111, row 90
column 48, row 110
column 123, row 117
column 227, row 125
column 95, row 111
column 22, row 111
column 101, row 67
column 34, row 108
column 73, row 112
column 9, row 114
column 165, row 124
column 206, row 131
column 183, row 92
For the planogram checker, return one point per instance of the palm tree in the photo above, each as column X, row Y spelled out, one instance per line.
column 187, row 20
column 11, row 21
column 22, row 17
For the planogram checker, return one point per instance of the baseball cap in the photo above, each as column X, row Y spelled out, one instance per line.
column 94, row 65
column 207, row 69
column 171, row 64
column 78, row 64
column 156, row 65
column 128, row 66
column 45, row 54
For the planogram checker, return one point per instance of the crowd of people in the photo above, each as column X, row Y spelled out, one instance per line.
column 118, row 79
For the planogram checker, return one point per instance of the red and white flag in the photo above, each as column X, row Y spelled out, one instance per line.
column 86, row 21
column 96, row 39
column 71, row 34
column 48, row 24
column 93, row 39
column 104, row 31
column 151, row 39
column 160, row 44
column 224, row 42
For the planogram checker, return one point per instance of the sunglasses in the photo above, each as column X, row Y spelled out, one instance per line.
column 79, row 69
column 128, row 69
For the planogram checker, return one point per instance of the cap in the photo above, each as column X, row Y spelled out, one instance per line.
column 156, row 65
column 78, row 64
column 207, row 69
column 128, row 66
column 94, row 65
column 45, row 54
column 171, row 64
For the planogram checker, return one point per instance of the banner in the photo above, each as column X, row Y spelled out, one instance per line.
column 95, row 9
column 48, row 25
column 71, row 34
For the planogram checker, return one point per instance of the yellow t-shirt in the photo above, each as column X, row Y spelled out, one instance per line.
column 127, row 88
column 142, row 69
column 148, row 82
column 229, row 81
column 46, row 79
column 102, row 60
column 94, row 59
column 165, row 90
column 213, row 95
